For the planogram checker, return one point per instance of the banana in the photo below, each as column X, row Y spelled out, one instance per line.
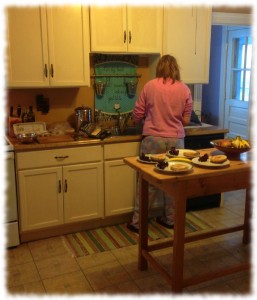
column 245, row 144
column 179, row 159
column 238, row 142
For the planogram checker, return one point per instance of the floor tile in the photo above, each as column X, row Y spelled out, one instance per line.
column 153, row 284
column 18, row 255
column 128, row 287
column 57, row 265
column 35, row 288
column 21, row 274
column 106, row 275
column 47, row 248
column 96, row 259
column 72, row 283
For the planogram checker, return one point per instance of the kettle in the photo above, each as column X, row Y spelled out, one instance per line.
column 83, row 114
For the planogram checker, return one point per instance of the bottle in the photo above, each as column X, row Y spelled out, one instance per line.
column 19, row 111
column 30, row 115
column 24, row 116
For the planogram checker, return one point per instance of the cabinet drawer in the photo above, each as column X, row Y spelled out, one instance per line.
column 56, row 157
column 121, row 150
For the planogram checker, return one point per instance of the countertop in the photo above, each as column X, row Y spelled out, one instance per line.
column 62, row 141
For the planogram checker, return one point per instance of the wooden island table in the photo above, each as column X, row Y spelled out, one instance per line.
column 200, row 181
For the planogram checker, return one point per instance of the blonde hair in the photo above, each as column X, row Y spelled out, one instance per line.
column 168, row 67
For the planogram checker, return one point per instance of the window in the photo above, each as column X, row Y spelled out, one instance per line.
column 241, row 61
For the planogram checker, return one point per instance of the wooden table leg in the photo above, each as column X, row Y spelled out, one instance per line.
column 247, row 218
column 179, row 239
column 143, row 222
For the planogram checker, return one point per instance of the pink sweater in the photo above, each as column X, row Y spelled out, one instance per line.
column 163, row 107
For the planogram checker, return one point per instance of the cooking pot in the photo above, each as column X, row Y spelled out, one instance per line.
column 83, row 114
column 27, row 138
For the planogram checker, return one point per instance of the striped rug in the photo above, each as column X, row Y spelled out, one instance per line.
column 118, row 236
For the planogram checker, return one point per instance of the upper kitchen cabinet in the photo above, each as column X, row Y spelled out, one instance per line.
column 126, row 29
column 187, row 32
column 48, row 46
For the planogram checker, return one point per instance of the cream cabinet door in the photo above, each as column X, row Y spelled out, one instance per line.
column 69, row 45
column 120, row 186
column 40, row 198
column 108, row 27
column 145, row 28
column 60, row 32
column 126, row 29
column 27, row 47
column 83, row 192
column 187, row 32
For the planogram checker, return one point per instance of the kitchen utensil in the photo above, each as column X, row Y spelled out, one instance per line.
column 27, row 138
column 100, row 87
column 83, row 114
column 132, row 87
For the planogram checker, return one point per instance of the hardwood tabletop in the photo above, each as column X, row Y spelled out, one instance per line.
column 236, row 163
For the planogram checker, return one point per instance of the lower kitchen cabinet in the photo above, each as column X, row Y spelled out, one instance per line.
column 120, row 179
column 83, row 192
column 63, row 193
column 41, row 199
column 120, row 187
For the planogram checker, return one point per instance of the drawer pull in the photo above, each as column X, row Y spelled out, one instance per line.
column 60, row 187
column 61, row 157
column 65, row 186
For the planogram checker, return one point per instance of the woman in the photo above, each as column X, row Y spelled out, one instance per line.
column 165, row 105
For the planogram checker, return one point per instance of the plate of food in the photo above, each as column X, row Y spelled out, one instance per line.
column 211, row 161
column 188, row 153
column 173, row 167
column 151, row 158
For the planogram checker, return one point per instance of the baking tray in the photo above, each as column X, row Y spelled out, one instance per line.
column 30, row 127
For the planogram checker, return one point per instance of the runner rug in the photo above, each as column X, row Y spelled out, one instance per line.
column 118, row 236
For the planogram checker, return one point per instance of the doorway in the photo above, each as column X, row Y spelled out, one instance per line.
column 226, row 99
column 237, row 98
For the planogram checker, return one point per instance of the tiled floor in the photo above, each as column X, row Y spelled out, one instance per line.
column 47, row 267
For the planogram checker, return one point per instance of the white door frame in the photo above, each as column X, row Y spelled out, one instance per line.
column 227, row 19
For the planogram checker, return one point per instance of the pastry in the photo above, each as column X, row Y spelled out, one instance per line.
column 158, row 157
column 190, row 153
column 218, row 159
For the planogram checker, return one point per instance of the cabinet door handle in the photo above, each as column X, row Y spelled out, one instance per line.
column 130, row 37
column 65, row 186
column 46, row 71
column 52, row 70
column 125, row 36
column 61, row 157
column 59, row 187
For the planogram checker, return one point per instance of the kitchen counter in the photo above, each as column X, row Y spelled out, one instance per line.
column 67, row 140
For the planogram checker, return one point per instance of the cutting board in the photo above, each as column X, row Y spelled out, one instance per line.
column 55, row 139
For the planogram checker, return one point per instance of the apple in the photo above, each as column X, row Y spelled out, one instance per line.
column 225, row 143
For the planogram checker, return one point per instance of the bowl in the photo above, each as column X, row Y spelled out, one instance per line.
column 27, row 138
column 228, row 150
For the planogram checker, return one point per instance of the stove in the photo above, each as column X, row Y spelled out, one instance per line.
column 8, row 145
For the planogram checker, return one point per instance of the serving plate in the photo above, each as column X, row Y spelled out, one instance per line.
column 146, row 161
column 181, row 153
column 168, row 169
column 208, row 164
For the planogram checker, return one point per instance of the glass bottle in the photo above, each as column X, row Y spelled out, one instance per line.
column 24, row 116
column 31, row 115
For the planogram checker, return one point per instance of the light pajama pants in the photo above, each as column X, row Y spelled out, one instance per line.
column 156, row 145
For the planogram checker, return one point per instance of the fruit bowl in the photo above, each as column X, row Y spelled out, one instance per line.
column 228, row 150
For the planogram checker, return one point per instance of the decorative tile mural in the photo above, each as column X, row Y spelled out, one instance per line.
column 115, row 86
